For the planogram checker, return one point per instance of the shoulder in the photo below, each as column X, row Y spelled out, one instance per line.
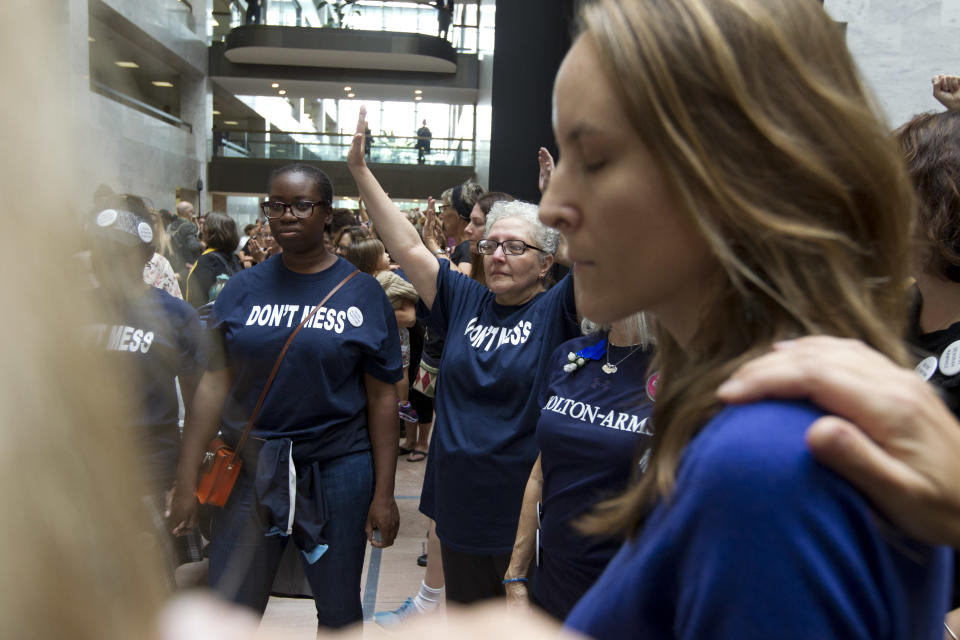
column 175, row 308
column 454, row 281
column 755, row 450
column 574, row 345
column 386, row 277
column 159, row 261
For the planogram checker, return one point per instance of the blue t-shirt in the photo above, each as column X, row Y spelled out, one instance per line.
column 593, row 427
column 761, row 541
column 153, row 339
column 318, row 394
column 483, row 444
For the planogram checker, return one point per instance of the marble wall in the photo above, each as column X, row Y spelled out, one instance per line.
column 899, row 45
column 123, row 148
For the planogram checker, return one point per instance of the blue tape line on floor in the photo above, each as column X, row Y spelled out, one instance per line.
column 406, row 497
column 373, row 578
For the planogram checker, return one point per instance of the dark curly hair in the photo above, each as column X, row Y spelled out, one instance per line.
column 931, row 146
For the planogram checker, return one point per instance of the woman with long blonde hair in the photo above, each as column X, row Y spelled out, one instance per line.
column 726, row 171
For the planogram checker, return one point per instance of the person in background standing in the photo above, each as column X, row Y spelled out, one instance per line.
column 444, row 17
column 184, row 240
column 253, row 12
column 424, row 136
column 368, row 140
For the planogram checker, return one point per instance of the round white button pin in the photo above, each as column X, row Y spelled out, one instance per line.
column 927, row 367
column 355, row 316
column 950, row 359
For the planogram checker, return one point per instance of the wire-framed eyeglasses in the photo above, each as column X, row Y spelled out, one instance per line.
column 300, row 208
column 510, row 247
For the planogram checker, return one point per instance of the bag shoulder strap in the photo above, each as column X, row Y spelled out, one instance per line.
column 276, row 365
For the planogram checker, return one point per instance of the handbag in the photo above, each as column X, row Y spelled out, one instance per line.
column 426, row 380
column 222, row 464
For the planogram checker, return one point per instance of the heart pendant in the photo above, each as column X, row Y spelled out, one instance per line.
column 609, row 368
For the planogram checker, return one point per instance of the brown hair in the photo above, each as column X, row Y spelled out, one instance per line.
column 342, row 219
column 931, row 145
column 486, row 202
column 776, row 156
column 220, row 232
column 76, row 561
column 356, row 233
column 365, row 254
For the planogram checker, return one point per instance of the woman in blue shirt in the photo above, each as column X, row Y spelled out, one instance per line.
column 498, row 340
column 722, row 168
column 594, row 426
column 328, row 425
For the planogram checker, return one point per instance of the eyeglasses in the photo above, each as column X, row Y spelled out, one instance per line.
column 300, row 208
column 510, row 247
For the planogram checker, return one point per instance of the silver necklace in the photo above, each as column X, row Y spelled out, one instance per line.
column 609, row 367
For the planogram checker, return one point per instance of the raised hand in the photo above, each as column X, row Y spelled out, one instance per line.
column 355, row 157
column 431, row 227
column 946, row 89
column 546, row 168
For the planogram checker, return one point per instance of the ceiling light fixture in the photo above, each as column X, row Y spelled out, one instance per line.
column 348, row 88
column 418, row 91
column 215, row 112
column 282, row 92
column 418, row 98
column 275, row 85
column 231, row 122
column 91, row 39
column 161, row 83
column 351, row 95
column 126, row 64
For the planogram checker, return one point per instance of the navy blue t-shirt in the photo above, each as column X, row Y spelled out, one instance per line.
column 483, row 442
column 759, row 540
column 153, row 339
column 318, row 393
column 593, row 427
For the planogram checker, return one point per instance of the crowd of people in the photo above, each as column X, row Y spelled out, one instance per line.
column 707, row 387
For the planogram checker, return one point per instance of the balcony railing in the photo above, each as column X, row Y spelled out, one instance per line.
column 333, row 147
column 140, row 106
column 372, row 15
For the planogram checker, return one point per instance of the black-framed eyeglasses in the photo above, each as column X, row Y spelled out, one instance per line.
column 510, row 247
column 300, row 208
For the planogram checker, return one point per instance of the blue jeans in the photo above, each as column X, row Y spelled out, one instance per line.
column 243, row 561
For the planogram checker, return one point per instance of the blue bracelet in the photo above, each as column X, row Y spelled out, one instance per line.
column 514, row 580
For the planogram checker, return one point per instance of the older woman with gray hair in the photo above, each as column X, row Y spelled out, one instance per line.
column 498, row 340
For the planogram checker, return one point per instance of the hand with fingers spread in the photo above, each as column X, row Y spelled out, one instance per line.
column 547, row 166
column 890, row 435
column 946, row 89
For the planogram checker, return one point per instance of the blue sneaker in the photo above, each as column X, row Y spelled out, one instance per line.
column 392, row 619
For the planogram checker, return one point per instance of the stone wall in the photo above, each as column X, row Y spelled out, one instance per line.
column 899, row 45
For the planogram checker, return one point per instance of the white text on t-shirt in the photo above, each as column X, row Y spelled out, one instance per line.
column 277, row 315
column 586, row 412
column 120, row 337
column 492, row 337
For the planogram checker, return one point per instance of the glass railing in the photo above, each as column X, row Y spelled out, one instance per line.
column 370, row 15
column 333, row 147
